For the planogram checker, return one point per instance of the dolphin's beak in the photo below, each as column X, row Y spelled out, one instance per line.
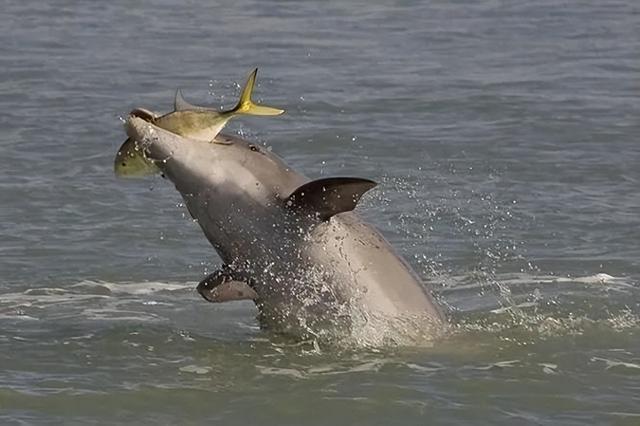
column 138, row 129
column 158, row 144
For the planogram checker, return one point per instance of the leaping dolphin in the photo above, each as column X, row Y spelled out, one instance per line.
column 290, row 244
column 186, row 120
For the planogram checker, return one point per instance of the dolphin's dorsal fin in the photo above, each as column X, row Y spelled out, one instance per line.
column 180, row 104
column 329, row 196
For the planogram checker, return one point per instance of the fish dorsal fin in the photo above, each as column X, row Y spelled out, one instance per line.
column 329, row 196
column 145, row 114
column 180, row 104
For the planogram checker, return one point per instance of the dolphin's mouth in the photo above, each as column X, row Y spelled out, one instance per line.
column 137, row 128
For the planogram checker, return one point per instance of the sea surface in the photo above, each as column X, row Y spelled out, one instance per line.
column 504, row 136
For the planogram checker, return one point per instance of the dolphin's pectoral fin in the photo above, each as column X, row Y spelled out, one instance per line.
column 329, row 196
column 226, row 285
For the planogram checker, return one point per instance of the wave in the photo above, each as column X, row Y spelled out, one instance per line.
column 90, row 300
column 524, row 307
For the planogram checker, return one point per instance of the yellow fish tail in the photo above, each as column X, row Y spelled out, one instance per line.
column 246, row 105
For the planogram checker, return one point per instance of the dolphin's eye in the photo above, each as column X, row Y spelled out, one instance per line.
column 254, row 148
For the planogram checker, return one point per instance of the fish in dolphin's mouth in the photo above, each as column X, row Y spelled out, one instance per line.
column 293, row 246
column 187, row 120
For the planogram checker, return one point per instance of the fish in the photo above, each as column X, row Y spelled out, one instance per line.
column 196, row 122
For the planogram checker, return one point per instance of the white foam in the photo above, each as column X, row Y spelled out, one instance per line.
column 20, row 317
column 609, row 363
column 509, row 308
column 86, row 290
column 500, row 365
column 548, row 368
column 119, row 315
column 462, row 282
column 424, row 369
column 273, row 371
column 324, row 370
column 195, row 369
column 93, row 300
column 136, row 288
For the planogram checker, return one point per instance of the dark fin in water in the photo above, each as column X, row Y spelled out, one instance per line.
column 226, row 285
column 329, row 196
column 180, row 104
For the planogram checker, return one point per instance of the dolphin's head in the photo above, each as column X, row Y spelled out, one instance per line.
column 231, row 159
column 228, row 162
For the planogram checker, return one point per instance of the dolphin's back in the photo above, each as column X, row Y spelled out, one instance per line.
column 382, row 283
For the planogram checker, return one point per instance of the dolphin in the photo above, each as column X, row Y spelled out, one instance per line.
column 292, row 245
column 187, row 120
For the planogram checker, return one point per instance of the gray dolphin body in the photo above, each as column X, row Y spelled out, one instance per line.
column 293, row 246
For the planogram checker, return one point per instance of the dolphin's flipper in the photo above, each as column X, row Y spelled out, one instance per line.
column 226, row 285
column 329, row 196
column 180, row 104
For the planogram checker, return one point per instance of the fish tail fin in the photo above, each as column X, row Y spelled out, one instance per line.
column 246, row 105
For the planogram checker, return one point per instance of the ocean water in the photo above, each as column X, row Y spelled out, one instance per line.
column 504, row 136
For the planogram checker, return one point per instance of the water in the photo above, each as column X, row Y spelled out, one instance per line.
column 504, row 136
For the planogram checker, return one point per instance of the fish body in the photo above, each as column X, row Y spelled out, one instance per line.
column 187, row 120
